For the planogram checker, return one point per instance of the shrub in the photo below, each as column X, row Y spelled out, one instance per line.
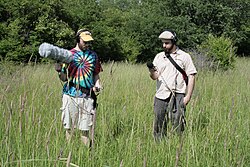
column 220, row 51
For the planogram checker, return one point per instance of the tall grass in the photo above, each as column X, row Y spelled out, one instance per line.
column 217, row 132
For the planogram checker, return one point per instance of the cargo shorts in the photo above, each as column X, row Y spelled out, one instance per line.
column 77, row 112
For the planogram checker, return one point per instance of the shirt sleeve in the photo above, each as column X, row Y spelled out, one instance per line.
column 64, row 67
column 190, row 68
column 98, row 67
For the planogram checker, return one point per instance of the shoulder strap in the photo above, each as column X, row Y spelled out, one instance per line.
column 185, row 77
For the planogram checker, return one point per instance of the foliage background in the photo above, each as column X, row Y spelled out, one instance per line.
column 123, row 29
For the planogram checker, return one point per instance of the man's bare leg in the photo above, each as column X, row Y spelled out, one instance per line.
column 85, row 137
column 68, row 134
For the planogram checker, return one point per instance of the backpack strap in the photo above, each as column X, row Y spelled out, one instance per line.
column 185, row 77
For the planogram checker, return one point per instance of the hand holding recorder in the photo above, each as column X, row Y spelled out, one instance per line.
column 151, row 67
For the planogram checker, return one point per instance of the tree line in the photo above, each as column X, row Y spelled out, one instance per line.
column 122, row 29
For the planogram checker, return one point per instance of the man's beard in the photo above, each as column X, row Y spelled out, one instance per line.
column 168, row 50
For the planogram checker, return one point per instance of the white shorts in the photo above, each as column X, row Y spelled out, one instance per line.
column 77, row 112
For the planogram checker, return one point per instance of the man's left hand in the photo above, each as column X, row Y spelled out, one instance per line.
column 97, row 89
column 186, row 100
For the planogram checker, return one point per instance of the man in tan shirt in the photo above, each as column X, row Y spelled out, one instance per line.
column 172, row 93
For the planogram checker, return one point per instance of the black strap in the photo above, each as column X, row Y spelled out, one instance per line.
column 185, row 77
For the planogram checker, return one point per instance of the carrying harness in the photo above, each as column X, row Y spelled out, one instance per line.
column 184, row 74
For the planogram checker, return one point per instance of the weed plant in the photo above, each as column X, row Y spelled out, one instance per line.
column 217, row 131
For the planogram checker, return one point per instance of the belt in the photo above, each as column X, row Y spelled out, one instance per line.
column 85, row 91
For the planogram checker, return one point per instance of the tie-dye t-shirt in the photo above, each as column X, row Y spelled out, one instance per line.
column 81, row 72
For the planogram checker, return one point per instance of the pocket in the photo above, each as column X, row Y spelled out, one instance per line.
column 64, row 105
column 88, row 104
column 64, row 102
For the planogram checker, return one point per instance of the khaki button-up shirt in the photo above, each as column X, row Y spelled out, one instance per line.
column 170, row 78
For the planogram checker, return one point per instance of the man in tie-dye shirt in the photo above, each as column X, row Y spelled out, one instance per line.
column 82, row 81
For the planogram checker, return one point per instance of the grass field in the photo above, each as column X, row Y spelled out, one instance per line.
column 217, row 133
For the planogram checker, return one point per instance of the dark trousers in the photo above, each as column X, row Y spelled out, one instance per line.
column 172, row 109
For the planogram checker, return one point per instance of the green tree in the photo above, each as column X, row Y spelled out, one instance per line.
column 122, row 29
column 29, row 23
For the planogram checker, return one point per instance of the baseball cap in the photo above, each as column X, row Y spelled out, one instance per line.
column 166, row 35
column 86, row 36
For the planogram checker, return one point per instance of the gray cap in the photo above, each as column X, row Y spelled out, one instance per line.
column 167, row 35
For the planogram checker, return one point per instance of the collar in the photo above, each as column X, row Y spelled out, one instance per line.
column 176, row 50
column 173, row 53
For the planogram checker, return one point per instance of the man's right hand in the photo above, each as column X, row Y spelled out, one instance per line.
column 58, row 67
